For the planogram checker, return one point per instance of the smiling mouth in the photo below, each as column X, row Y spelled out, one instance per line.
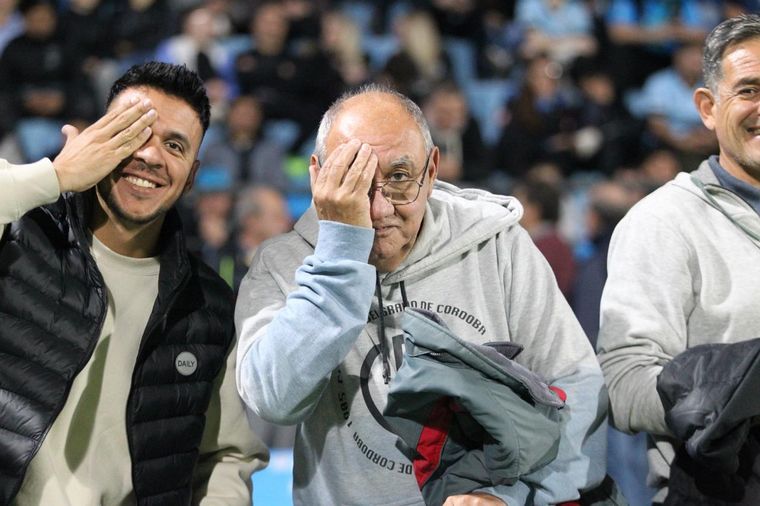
column 142, row 183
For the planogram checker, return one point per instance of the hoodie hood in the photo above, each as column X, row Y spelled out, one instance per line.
column 705, row 185
column 456, row 220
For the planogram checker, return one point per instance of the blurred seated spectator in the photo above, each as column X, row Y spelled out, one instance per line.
column 138, row 27
column 563, row 29
column 666, row 103
column 261, row 212
column 304, row 22
column 459, row 18
column 608, row 202
column 240, row 149
column 541, row 204
column 87, row 25
column 657, row 167
column 40, row 85
column 281, row 79
column 341, row 42
column 11, row 22
column 210, row 233
column 643, row 34
column 198, row 47
column 457, row 135
column 608, row 136
column 421, row 61
column 540, row 120
column 502, row 38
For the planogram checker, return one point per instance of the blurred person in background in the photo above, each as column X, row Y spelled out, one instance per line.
column 41, row 84
column 88, row 29
column 540, row 120
column 280, row 76
column 608, row 202
column 666, row 103
column 138, row 27
column 643, row 33
column 11, row 22
column 457, row 135
column 563, row 29
column 243, row 152
column 608, row 136
column 541, row 204
column 199, row 48
column 210, row 231
column 421, row 61
column 261, row 213
column 341, row 42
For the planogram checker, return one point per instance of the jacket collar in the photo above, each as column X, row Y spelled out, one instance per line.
column 174, row 258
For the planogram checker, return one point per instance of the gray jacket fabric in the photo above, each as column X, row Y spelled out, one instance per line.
column 684, row 270
column 469, row 417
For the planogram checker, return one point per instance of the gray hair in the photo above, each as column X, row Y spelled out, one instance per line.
column 408, row 104
column 726, row 34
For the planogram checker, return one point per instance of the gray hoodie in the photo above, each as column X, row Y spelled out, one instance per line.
column 683, row 270
column 308, row 318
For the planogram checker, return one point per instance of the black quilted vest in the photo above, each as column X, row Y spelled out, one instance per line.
column 52, row 307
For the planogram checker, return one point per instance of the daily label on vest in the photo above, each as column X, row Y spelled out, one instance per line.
column 186, row 363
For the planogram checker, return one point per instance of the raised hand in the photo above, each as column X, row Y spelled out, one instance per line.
column 89, row 156
column 340, row 187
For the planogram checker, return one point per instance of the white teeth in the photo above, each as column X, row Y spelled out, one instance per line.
column 140, row 182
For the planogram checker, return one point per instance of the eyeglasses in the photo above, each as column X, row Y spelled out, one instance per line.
column 402, row 191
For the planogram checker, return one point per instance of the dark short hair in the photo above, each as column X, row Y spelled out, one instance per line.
column 174, row 80
column 726, row 34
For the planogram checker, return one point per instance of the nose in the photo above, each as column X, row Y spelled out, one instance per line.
column 379, row 206
column 150, row 152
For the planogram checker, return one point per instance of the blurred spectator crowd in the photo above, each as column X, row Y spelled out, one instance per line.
column 549, row 99
column 578, row 107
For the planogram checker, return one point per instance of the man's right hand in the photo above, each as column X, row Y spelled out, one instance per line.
column 340, row 187
column 89, row 156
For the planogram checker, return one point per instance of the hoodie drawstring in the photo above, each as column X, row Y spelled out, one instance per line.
column 381, row 336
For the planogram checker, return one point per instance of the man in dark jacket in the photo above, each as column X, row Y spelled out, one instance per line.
column 116, row 346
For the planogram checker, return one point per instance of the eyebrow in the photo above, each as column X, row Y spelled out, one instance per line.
column 745, row 81
column 403, row 161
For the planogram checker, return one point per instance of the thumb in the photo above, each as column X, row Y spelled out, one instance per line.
column 69, row 131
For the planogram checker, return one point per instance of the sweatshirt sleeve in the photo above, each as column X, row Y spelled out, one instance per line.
column 555, row 347
column 24, row 187
column 644, row 309
column 289, row 344
column 229, row 450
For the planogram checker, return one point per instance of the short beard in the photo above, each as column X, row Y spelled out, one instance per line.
column 124, row 218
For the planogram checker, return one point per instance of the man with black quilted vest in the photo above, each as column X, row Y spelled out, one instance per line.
column 117, row 352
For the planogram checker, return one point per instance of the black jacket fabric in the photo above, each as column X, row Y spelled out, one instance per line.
column 52, row 308
column 709, row 393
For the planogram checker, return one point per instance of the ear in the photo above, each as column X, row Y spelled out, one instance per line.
column 705, row 102
column 314, row 166
column 191, row 176
column 435, row 158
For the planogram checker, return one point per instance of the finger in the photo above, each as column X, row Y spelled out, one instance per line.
column 357, row 165
column 340, row 165
column 69, row 132
column 363, row 178
column 118, row 108
column 126, row 117
column 324, row 168
column 128, row 148
column 134, row 130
